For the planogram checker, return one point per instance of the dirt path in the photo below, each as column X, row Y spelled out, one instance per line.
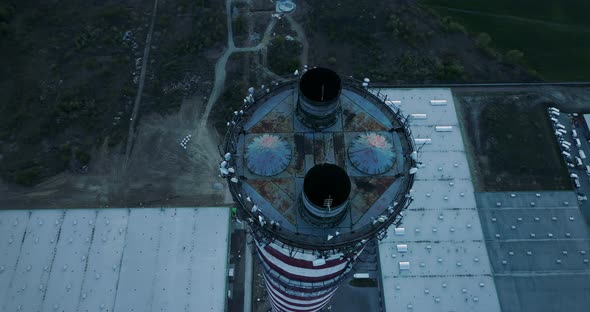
column 155, row 169
column 230, row 31
column 220, row 72
column 302, row 38
column 144, row 64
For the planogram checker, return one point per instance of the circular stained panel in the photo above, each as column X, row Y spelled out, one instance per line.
column 268, row 155
column 371, row 153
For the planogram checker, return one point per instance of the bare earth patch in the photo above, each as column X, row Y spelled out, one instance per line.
column 511, row 143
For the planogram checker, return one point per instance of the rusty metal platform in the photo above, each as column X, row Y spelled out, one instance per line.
column 375, row 187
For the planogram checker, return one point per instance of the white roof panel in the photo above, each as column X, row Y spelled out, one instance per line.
column 450, row 268
column 587, row 119
column 113, row 259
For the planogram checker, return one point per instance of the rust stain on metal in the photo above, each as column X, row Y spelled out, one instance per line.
column 367, row 190
column 361, row 121
column 290, row 215
column 339, row 149
column 273, row 194
column 287, row 185
column 358, row 120
column 318, row 148
column 274, row 122
column 256, row 184
column 308, row 144
column 299, row 156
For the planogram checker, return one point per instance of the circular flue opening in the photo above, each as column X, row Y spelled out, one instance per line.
column 326, row 185
column 320, row 85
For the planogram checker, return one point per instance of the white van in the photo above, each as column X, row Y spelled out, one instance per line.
column 574, row 133
column 578, row 143
column 582, row 154
column 579, row 162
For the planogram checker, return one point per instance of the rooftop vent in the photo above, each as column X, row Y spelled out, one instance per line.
column 319, row 93
column 326, row 188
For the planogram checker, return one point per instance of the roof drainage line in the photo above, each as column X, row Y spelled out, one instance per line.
column 63, row 218
column 157, row 258
column 440, row 209
column 494, row 84
column 547, row 273
column 20, row 248
column 441, row 275
column 516, row 240
column 495, row 208
column 438, row 241
column 121, row 261
column 87, row 260
column 445, row 179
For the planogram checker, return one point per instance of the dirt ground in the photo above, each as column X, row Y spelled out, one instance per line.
column 160, row 172
column 180, row 78
column 510, row 142
column 259, row 298
column 157, row 170
column 67, row 74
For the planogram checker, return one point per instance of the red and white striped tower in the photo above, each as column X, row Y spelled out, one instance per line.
column 306, row 279
column 300, row 282
column 316, row 172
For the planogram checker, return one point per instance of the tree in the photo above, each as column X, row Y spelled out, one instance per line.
column 449, row 25
column 240, row 25
column 514, row 56
column 483, row 40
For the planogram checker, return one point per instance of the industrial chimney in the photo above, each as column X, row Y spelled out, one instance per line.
column 313, row 191
column 319, row 98
column 326, row 189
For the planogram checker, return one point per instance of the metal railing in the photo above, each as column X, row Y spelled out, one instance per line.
column 345, row 241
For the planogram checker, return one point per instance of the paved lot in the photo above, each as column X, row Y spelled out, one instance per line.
column 578, row 124
column 237, row 248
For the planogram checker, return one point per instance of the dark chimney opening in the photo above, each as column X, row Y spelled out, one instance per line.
column 327, row 181
column 320, row 85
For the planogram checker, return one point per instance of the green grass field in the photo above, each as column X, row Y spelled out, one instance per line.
column 554, row 35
